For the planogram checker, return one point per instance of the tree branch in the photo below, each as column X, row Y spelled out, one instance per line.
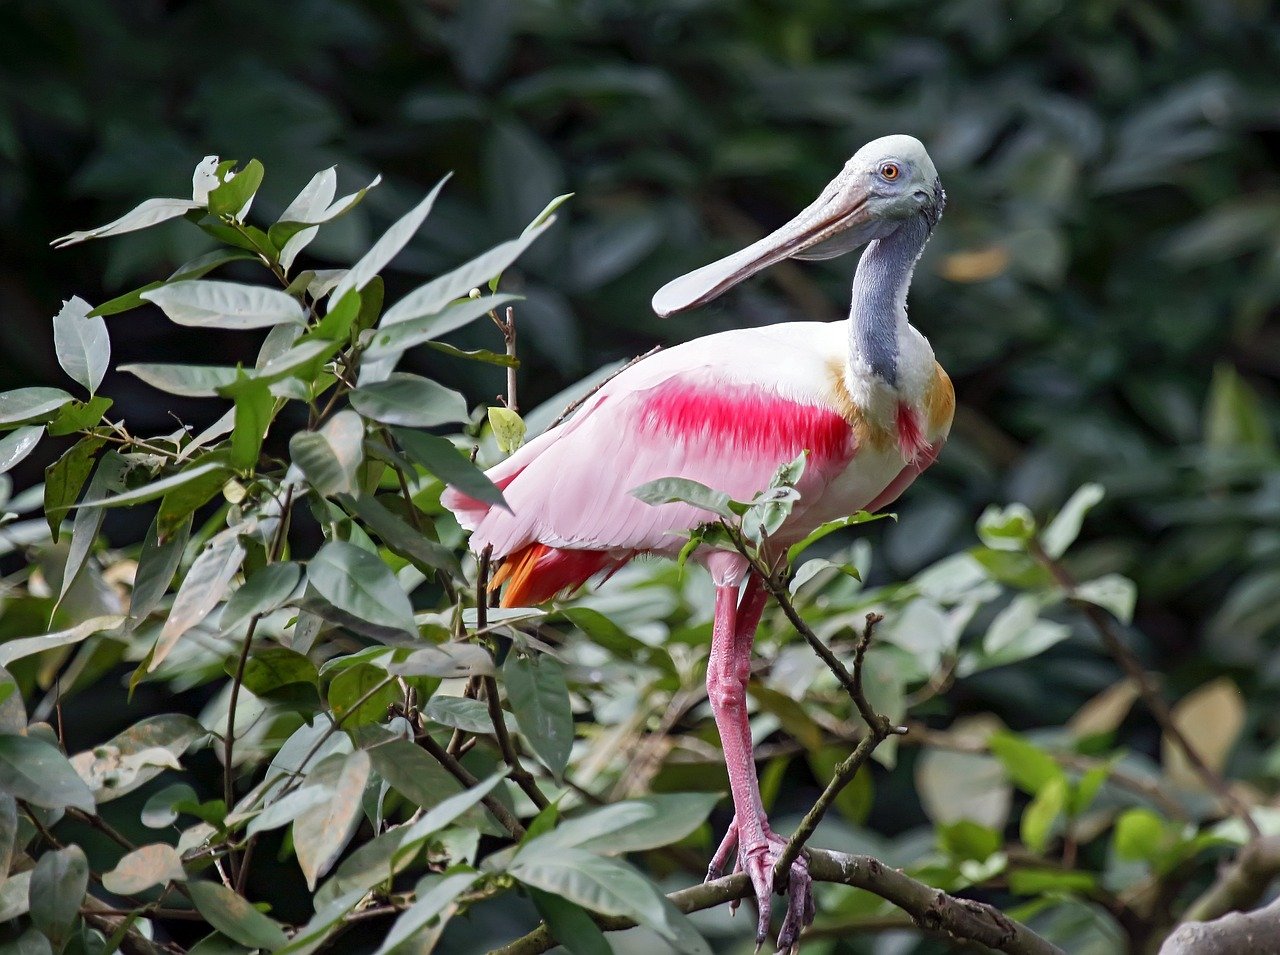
column 1256, row 932
column 930, row 909
column 1241, row 883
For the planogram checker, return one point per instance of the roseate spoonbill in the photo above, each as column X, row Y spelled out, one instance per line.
column 864, row 397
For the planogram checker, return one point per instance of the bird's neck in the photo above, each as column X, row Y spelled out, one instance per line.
column 879, row 310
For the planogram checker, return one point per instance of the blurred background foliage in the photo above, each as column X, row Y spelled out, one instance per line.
column 1102, row 289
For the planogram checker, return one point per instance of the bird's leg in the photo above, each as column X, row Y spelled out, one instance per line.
column 758, row 846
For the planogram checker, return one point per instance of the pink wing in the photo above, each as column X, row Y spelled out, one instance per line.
column 570, row 488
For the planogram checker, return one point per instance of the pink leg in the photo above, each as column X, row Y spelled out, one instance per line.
column 728, row 670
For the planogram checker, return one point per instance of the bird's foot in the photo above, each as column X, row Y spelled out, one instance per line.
column 758, row 862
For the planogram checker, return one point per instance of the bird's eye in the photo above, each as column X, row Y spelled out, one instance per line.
column 889, row 171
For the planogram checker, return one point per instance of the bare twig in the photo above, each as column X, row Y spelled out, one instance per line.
column 879, row 728
column 579, row 402
column 460, row 773
column 930, row 909
column 1106, row 630
column 521, row 776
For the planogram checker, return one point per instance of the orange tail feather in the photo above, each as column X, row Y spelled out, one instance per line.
column 536, row 573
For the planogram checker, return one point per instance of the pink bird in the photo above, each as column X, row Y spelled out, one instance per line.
column 864, row 397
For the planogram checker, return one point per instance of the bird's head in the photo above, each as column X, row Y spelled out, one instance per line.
column 888, row 182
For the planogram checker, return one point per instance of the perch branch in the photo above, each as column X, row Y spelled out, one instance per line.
column 930, row 909
column 1240, row 884
column 1257, row 932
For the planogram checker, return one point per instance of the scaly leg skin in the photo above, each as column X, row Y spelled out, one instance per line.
column 728, row 670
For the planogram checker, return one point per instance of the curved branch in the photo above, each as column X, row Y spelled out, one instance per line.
column 1257, row 932
column 931, row 909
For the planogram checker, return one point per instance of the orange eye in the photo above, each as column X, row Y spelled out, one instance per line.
column 889, row 171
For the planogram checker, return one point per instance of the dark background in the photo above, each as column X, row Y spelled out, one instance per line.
column 1102, row 289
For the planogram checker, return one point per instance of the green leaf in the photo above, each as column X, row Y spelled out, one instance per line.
column 434, row 895
column 391, row 242
column 149, row 213
column 635, row 825
column 205, row 584
column 400, row 538
column 157, row 563
column 32, row 770
column 304, row 360
column 448, row 811
column 65, row 477
column 79, row 416
column 16, row 649
column 830, row 527
column 265, row 590
column 8, row 832
column 88, row 521
column 539, row 698
column 441, row 458
column 1040, row 815
column 203, row 303
column 331, row 457
column 321, row 833
column 436, row 294
column 670, row 490
column 237, row 191
column 36, row 405
column 1007, row 528
column 471, row 716
column 965, row 839
column 187, row 381
column 58, row 885
column 1234, row 417
column 508, row 429
column 609, row 887
column 353, row 686
column 235, row 918
column 570, row 925
column 1114, row 593
column 16, row 445
column 342, row 314
column 254, row 408
column 288, row 808
column 1028, row 766
column 1061, row 532
column 180, row 503
column 144, row 867
column 411, row 772
column 410, row 401
column 394, row 340
column 162, row 808
column 1139, row 836
column 1051, row 882
column 307, row 205
column 82, row 344
column 360, row 591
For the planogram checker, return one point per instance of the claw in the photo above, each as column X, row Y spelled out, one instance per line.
column 758, row 862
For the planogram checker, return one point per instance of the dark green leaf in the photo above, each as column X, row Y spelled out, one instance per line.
column 450, row 465
column 65, row 477
column 79, row 416
column 539, row 698
column 266, row 589
column 236, row 190
column 400, row 538
column 322, row 832
column 1030, row 768
column 254, row 408
column 33, row 770
column 331, row 457
column 570, row 925
column 434, row 894
column 235, row 918
column 58, row 886
column 670, row 490
column 361, row 589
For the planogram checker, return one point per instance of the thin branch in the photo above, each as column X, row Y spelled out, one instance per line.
column 930, row 909
column 521, row 776
column 460, row 773
column 879, row 728
column 1106, row 630
column 579, row 402
column 1241, row 883
column 229, row 739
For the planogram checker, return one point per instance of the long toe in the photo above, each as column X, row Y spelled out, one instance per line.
column 800, row 908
